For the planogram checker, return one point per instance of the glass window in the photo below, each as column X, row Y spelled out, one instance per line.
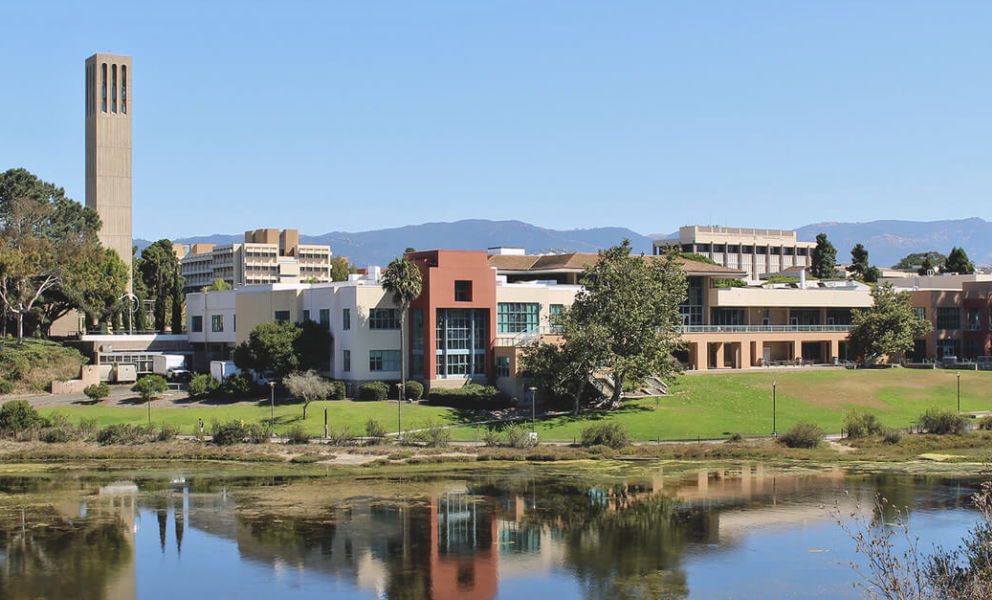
column 701, row 248
column 517, row 317
column 306, row 315
column 747, row 249
column 502, row 366
column 802, row 251
column 113, row 88
column 761, row 249
column 775, row 250
column 346, row 319
column 921, row 312
column 384, row 318
column 282, row 316
column 948, row 317
column 974, row 319
column 346, row 361
column 196, row 324
column 216, row 323
column 384, row 360
column 692, row 309
column 462, row 342
column 554, row 314
column 719, row 248
column 124, row 89
column 726, row 316
column 733, row 248
column 463, row 291
column 325, row 317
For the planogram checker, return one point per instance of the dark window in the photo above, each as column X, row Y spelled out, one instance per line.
column 727, row 316
column 702, row 248
column 776, row 250
column 217, row 323
column 103, row 87
column 804, row 316
column 502, row 366
column 948, row 317
column 719, row 248
column 282, row 316
column 113, row 88
column 692, row 309
column 306, row 315
column 463, row 291
column 802, row 251
column 975, row 319
column 196, row 324
column 789, row 251
column 384, row 360
column 747, row 249
column 325, row 317
column 124, row 89
column 384, row 318
column 346, row 318
column 687, row 248
column 733, row 248
column 346, row 361
column 761, row 249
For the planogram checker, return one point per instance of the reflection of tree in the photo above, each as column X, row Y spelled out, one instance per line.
column 633, row 552
column 296, row 536
column 408, row 562
column 63, row 558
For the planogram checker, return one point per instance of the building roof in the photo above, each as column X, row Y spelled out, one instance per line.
column 578, row 261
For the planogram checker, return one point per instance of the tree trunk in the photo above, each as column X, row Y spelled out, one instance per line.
column 20, row 328
column 578, row 403
column 306, row 405
column 617, row 397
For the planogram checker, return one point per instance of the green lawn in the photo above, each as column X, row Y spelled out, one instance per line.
column 339, row 414
column 711, row 406
column 706, row 406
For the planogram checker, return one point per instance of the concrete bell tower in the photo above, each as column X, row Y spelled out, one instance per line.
column 108, row 149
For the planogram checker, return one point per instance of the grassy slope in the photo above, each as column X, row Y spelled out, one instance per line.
column 699, row 405
column 711, row 406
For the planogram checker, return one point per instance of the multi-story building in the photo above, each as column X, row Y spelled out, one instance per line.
column 266, row 257
column 757, row 252
column 477, row 312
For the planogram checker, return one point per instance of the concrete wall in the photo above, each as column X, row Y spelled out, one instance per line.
column 89, row 375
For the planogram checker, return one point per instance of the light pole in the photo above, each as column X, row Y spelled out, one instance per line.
column 533, row 409
column 959, row 391
column 272, row 405
column 132, row 301
column 774, row 394
column 399, row 411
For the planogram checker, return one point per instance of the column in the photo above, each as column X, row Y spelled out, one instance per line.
column 697, row 355
column 833, row 354
column 744, row 356
column 718, row 359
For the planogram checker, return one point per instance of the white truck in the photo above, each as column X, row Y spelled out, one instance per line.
column 222, row 369
column 163, row 363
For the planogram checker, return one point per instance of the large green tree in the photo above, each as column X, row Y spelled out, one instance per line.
column 270, row 348
column 341, row 268
column 49, row 245
column 915, row 259
column 562, row 370
column 928, row 265
column 823, row 258
column 96, row 287
column 633, row 304
column 958, row 262
column 860, row 267
column 890, row 326
column 158, row 268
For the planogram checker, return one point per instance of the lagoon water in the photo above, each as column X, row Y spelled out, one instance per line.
column 740, row 530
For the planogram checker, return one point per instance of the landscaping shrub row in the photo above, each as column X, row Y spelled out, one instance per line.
column 471, row 396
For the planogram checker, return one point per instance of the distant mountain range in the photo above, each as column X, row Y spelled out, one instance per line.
column 886, row 241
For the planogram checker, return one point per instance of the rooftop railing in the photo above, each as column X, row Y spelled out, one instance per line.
column 765, row 328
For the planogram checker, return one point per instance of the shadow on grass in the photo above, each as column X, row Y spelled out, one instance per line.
column 592, row 416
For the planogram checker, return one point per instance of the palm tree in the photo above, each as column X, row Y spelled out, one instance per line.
column 402, row 279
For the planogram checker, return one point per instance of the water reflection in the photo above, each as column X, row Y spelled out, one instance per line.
column 470, row 537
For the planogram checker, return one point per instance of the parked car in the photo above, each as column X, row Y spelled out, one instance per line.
column 949, row 360
column 178, row 375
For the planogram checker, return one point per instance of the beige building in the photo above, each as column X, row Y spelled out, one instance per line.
column 266, row 257
column 109, row 101
column 757, row 252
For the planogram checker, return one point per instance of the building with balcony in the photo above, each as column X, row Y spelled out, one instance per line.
column 266, row 257
column 757, row 252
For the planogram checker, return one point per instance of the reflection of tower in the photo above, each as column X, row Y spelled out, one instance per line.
column 177, row 509
column 108, row 149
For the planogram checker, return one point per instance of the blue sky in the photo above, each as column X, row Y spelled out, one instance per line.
column 330, row 116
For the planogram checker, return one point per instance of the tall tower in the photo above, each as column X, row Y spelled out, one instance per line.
column 108, row 149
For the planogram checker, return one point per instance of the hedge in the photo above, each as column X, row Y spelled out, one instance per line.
column 372, row 391
column 471, row 396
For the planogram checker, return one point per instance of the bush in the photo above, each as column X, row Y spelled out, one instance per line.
column 609, row 434
column 435, row 435
column 6, row 387
column 373, row 391
column 239, row 385
column 891, row 435
column 297, row 434
column 339, row 436
column 338, row 390
column 124, row 433
column 735, row 437
column 304, row 459
column 203, row 385
column 985, row 423
column 375, row 430
column 57, row 419
column 258, row 433
column 414, row 390
column 802, row 435
column 516, row 435
column 87, row 425
column 861, row 425
column 942, row 422
column 57, row 435
column 491, row 437
column 19, row 415
column 97, row 391
column 168, row 432
column 471, row 396
column 226, row 434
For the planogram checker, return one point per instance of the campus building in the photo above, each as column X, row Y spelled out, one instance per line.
column 266, row 257
column 757, row 252
column 108, row 108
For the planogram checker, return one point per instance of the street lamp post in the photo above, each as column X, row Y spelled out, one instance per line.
column 959, row 391
column 774, row 394
column 272, row 404
column 533, row 409
column 132, row 302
